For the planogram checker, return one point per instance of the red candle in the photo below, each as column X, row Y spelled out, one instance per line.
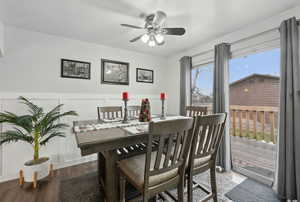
column 125, row 96
column 162, row 96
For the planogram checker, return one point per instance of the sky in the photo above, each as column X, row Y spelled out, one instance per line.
column 267, row 62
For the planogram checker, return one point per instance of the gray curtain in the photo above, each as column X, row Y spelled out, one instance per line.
column 185, row 83
column 221, row 99
column 288, row 173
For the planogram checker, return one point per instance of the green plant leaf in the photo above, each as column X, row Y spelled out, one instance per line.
column 14, row 136
column 24, row 121
column 35, row 110
column 52, row 135
column 53, row 128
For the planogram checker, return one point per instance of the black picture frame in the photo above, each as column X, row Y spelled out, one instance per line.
column 115, row 67
column 145, row 80
column 75, row 69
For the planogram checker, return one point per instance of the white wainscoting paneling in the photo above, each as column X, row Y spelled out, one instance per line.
column 62, row 151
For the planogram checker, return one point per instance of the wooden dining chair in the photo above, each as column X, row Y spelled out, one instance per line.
column 192, row 111
column 110, row 112
column 207, row 134
column 134, row 111
column 161, row 169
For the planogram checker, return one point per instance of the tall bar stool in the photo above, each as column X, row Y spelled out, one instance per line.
column 162, row 169
column 207, row 135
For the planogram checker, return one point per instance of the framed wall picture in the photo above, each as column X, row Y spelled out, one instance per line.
column 75, row 69
column 144, row 75
column 114, row 72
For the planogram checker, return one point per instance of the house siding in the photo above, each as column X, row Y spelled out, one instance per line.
column 258, row 90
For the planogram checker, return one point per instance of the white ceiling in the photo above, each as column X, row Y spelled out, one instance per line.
column 98, row 21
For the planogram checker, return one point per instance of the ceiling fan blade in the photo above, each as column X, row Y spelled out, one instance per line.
column 174, row 31
column 136, row 38
column 132, row 26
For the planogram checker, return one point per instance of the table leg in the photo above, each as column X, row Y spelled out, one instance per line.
column 112, row 177
column 101, row 168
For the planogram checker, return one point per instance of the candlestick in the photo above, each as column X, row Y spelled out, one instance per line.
column 162, row 116
column 125, row 120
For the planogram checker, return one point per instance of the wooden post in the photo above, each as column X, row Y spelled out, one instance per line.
column 234, row 122
column 240, row 123
column 254, row 124
column 34, row 183
column 262, row 113
column 272, row 125
column 247, row 123
column 21, row 178
column 51, row 170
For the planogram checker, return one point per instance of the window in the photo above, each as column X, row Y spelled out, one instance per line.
column 202, row 85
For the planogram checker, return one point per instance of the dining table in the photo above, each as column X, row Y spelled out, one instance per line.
column 112, row 140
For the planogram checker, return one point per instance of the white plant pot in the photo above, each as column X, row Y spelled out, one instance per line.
column 42, row 169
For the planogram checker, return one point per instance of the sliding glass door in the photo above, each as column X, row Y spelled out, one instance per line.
column 254, row 104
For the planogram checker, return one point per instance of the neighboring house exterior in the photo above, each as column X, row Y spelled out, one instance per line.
column 255, row 90
column 200, row 99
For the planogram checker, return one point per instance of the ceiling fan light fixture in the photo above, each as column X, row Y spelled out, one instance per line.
column 145, row 38
column 159, row 38
column 152, row 41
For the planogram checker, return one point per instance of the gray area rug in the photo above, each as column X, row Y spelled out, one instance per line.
column 252, row 191
column 85, row 188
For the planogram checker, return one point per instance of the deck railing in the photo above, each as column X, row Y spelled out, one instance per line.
column 253, row 122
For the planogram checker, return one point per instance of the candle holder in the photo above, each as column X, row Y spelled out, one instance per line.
column 125, row 119
column 162, row 116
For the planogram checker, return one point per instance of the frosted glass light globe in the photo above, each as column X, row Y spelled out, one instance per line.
column 151, row 43
column 145, row 38
column 159, row 38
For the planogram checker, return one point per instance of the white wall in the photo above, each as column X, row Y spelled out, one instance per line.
column 31, row 67
column 1, row 39
column 32, row 64
column 250, row 30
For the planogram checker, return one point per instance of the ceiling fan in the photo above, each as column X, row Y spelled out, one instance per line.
column 155, row 30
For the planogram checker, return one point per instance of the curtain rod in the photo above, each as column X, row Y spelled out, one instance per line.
column 238, row 41
column 241, row 40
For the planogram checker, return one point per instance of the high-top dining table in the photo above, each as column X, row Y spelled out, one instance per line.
column 108, row 140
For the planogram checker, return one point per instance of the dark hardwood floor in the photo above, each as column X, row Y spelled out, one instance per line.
column 48, row 189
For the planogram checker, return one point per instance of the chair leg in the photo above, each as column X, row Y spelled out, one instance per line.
column 122, row 188
column 180, row 190
column 145, row 198
column 190, row 187
column 213, row 182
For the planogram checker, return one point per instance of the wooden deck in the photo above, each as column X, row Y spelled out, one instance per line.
column 254, row 158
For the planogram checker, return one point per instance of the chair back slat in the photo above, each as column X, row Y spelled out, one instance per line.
column 134, row 111
column 176, row 148
column 169, row 145
column 174, row 139
column 110, row 112
column 208, row 133
column 159, row 153
column 192, row 111
column 202, row 135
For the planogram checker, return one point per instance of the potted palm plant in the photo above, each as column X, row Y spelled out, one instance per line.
column 36, row 128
